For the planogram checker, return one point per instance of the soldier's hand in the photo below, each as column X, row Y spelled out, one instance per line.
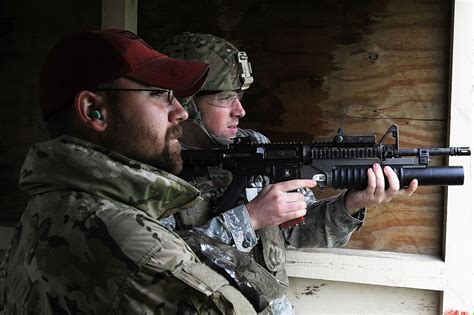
column 375, row 193
column 278, row 203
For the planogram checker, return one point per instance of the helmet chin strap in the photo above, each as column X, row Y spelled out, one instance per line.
column 219, row 140
column 196, row 136
column 195, row 116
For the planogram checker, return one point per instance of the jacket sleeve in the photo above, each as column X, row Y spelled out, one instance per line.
column 327, row 223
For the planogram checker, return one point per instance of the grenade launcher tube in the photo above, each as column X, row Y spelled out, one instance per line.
column 355, row 177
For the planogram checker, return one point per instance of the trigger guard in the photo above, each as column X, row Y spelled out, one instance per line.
column 259, row 181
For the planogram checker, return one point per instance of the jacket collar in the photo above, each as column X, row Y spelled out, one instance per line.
column 68, row 163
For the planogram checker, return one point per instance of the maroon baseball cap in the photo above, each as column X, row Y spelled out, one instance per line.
column 83, row 61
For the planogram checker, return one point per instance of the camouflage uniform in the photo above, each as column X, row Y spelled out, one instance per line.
column 90, row 240
column 327, row 223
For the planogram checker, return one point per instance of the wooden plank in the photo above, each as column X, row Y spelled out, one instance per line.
column 472, row 130
column 414, row 225
column 311, row 296
column 368, row 267
column 458, row 294
column 120, row 14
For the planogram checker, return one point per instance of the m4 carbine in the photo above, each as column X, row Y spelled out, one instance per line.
column 341, row 163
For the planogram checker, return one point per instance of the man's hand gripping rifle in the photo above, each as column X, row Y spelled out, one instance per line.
column 341, row 163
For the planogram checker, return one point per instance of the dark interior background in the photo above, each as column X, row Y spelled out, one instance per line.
column 29, row 30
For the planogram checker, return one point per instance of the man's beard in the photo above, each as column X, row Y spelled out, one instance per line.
column 132, row 139
column 170, row 159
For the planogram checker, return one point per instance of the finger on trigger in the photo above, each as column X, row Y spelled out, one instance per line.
column 295, row 184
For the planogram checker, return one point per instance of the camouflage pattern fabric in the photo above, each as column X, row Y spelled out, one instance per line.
column 207, row 48
column 90, row 240
column 230, row 69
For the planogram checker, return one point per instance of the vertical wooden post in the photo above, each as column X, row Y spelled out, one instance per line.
column 120, row 14
column 457, row 296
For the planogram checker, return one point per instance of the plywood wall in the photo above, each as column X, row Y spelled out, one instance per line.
column 385, row 62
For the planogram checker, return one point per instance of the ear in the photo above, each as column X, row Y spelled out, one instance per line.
column 85, row 103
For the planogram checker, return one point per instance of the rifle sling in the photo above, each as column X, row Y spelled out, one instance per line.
column 232, row 195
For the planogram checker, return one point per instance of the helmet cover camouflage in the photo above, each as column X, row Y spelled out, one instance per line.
column 230, row 69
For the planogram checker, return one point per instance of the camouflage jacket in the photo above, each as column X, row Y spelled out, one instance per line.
column 327, row 222
column 90, row 240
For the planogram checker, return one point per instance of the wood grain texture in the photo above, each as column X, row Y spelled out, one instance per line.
column 387, row 60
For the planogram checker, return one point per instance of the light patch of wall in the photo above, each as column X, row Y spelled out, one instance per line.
column 328, row 297
column 472, row 132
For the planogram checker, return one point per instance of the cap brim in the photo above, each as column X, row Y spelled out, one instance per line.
column 185, row 78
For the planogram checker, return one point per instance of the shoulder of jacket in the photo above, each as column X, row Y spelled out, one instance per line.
column 254, row 135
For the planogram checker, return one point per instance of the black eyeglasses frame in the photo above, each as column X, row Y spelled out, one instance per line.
column 169, row 91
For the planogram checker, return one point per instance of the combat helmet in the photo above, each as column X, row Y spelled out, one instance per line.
column 230, row 68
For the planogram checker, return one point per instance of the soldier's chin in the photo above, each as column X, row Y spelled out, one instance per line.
column 229, row 134
column 233, row 131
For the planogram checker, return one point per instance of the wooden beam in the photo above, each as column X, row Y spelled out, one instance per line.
column 120, row 14
column 312, row 296
column 459, row 223
column 368, row 267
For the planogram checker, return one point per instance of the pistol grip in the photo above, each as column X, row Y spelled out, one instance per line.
column 291, row 223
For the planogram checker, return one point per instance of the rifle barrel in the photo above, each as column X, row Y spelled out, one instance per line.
column 452, row 151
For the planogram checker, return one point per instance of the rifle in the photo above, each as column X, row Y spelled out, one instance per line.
column 341, row 163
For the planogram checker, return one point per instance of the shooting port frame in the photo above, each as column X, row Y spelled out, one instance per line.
column 450, row 274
